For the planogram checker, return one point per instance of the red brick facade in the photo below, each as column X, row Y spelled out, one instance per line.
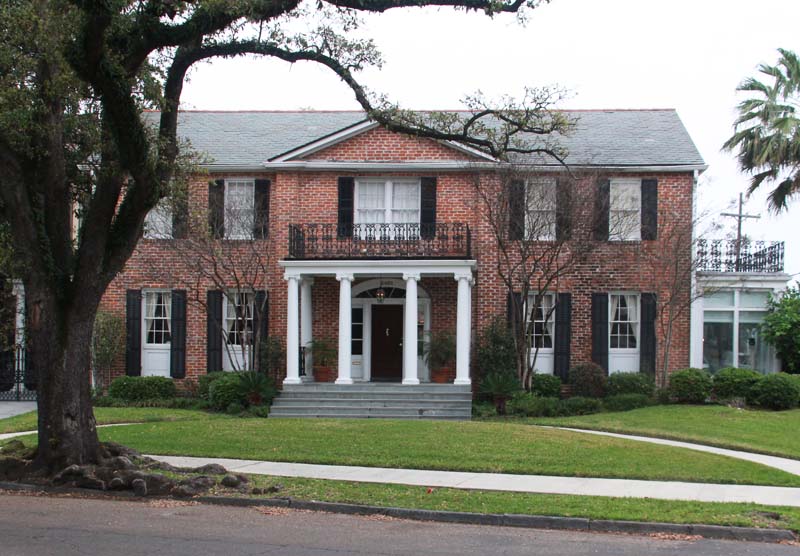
column 304, row 196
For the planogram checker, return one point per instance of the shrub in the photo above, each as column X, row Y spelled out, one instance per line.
column 500, row 386
column 776, row 391
column 261, row 411
column 546, row 386
column 733, row 383
column 224, row 391
column 108, row 343
column 781, row 327
column 579, row 405
column 524, row 404
column 626, row 402
column 690, row 386
column 588, row 380
column 482, row 410
column 271, row 356
column 136, row 388
column 630, row 383
column 256, row 388
column 495, row 352
column 204, row 383
column 234, row 408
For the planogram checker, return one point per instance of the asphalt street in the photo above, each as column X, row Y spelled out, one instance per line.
column 44, row 526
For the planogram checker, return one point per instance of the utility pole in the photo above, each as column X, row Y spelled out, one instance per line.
column 740, row 216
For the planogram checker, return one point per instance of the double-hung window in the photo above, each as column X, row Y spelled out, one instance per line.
column 239, row 208
column 540, row 216
column 625, row 210
column 541, row 321
column 393, row 201
column 624, row 321
column 238, row 323
column 158, row 222
column 157, row 315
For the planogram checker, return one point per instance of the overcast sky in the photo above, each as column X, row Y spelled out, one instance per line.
column 688, row 55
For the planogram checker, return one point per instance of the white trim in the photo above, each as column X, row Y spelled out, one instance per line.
column 454, row 165
column 161, row 352
column 370, row 268
column 469, row 150
column 325, row 142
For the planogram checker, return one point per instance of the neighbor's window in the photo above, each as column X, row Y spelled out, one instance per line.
column 157, row 315
column 625, row 210
column 624, row 321
column 239, row 318
column 239, row 209
column 540, row 217
column 158, row 222
column 541, row 321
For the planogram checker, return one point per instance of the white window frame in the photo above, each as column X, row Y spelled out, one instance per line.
column 550, row 319
column 625, row 223
column 146, row 294
column 234, row 295
column 537, row 217
column 158, row 222
column 232, row 232
column 637, row 329
column 388, row 196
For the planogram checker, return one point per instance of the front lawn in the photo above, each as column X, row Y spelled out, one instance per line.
column 457, row 446
column 482, row 501
column 767, row 432
column 111, row 415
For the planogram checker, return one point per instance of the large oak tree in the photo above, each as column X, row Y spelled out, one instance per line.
column 75, row 77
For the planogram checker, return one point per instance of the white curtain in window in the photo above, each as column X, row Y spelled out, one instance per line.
column 371, row 201
column 549, row 314
column 614, row 307
column 632, row 301
column 166, row 299
column 150, row 303
column 239, row 209
column 405, row 202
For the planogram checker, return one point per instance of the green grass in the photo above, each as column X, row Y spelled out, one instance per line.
column 458, row 446
column 766, row 432
column 481, row 501
column 110, row 415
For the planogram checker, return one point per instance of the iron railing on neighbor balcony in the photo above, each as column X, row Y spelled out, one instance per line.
column 728, row 255
column 17, row 379
column 445, row 240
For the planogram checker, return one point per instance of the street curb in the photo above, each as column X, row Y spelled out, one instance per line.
column 721, row 532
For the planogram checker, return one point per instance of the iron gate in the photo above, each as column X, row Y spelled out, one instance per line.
column 17, row 381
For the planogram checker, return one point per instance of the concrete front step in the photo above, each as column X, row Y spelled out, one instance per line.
column 371, row 416
column 374, row 400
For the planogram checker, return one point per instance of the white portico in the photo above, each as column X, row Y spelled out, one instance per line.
column 401, row 278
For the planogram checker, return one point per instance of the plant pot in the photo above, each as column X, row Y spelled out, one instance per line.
column 443, row 375
column 324, row 374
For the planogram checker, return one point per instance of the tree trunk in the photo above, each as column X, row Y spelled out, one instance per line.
column 60, row 337
column 667, row 346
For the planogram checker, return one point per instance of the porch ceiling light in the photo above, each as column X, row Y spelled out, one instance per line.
column 380, row 294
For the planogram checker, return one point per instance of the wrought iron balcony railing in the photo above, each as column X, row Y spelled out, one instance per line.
column 380, row 241
column 727, row 255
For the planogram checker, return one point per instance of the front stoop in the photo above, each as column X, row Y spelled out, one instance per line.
column 374, row 400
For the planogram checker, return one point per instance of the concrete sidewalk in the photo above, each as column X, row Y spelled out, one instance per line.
column 620, row 488
column 11, row 409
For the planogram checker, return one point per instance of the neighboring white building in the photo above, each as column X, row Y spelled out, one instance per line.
column 727, row 316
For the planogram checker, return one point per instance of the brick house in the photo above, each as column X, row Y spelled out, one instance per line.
column 374, row 241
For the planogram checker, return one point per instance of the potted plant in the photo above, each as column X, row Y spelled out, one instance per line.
column 500, row 386
column 439, row 353
column 323, row 353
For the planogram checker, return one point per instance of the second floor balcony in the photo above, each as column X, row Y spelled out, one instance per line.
column 728, row 255
column 442, row 240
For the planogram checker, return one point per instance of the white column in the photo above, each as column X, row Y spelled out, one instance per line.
column 292, row 336
column 463, row 327
column 345, row 328
column 410, row 331
column 306, row 316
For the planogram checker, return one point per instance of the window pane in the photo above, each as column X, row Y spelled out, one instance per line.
column 624, row 215
column 239, row 209
column 753, row 351
column 753, row 299
column 540, row 219
column 718, row 299
column 624, row 321
column 158, row 222
column 718, row 316
column 157, row 317
column 717, row 345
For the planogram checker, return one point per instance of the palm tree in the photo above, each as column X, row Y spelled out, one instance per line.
column 767, row 131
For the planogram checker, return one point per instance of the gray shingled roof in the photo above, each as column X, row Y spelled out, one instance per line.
column 601, row 138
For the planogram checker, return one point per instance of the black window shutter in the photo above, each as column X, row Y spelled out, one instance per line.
column 261, row 214
column 647, row 349
column 177, row 346
column 214, row 331
column 514, row 303
column 516, row 209
column 427, row 217
column 345, row 216
column 650, row 209
column 563, row 210
column 563, row 327
column 602, row 206
column 133, row 332
column 600, row 329
column 216, row 208
column 262, row 312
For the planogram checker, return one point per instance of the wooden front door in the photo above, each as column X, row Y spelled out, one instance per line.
column 386, row 362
